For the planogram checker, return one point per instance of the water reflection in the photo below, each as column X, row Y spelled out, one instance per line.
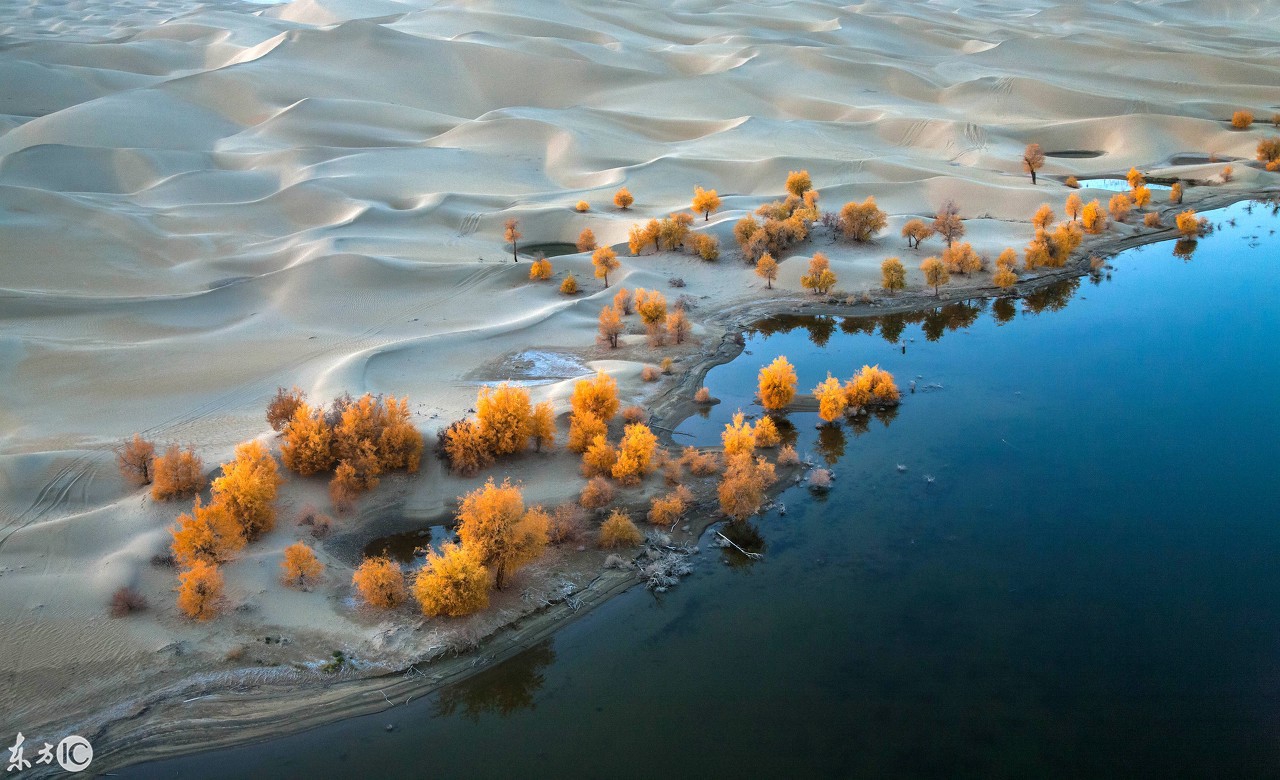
column 1185, row 248
column 1003, row 310
column 830, row 443
column 746, row 535
column 503, row 690
column 408, row 547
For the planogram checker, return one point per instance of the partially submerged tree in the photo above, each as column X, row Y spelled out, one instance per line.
column 831, row 398
column 777, row 384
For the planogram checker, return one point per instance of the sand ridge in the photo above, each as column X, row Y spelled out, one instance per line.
column 200, row 201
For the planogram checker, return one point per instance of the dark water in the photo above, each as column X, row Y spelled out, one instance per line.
column 1088, row 587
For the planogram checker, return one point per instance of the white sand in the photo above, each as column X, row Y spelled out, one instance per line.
column 202, row 201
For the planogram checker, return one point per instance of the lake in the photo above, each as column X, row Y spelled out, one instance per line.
column 1074, row 574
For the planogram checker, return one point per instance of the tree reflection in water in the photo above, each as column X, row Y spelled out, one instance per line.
column 747, row 536
column 502, row 690
column 831, row 443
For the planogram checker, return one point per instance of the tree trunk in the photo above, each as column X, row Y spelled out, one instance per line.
column 515, row 258
column 1033, row 176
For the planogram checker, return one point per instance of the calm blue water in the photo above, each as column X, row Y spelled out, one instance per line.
column 1088, row 587
column 1117, row 185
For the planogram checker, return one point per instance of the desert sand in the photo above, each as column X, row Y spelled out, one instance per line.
column 200, row 202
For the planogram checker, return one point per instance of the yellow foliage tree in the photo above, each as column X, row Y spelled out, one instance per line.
column 1175, row 192
column 570, row 285
column 765, row 433
column 494, row 526
column 678, row 326
column 820, row 277
column 1119, row 206
column 1268, row 152
column 281, row 407
column 247, row 488
column 542, row 426
column 208, row 534
column 893, row 275
column 737, row 436
column 465, row 447
column 597, row 493
column 1241, row 120
column 1188, row 224
column 705, row 202
column 540, row 270
column 1043, row 218
column 832, row 400
column 622, row 199
column 915, row 231
column 935, row 273
column 1135, row 178
column 777, row 384
column 623, row 302
column 610, row 325
column 308, row 442
column 584, row 427
column 178, row 473
column 1004, row 277
column 511, row 234
column 635, row 454
column 706, row 247
column 504, row 413
column 1074, row 206
column 1007, row 259
column 798, row 183
column 597, row 396
column 200, row 590
column 651, row 305
column 599, row 458
column 742, row 489
column 605, row 260
column 133, row 458
column 871, row 386
column 861, row 221
column 666, row 510
column 767, row 269
column 962, row 259
column 453, row 583
column 582, row 207
column 618, row 531
column 380, row 582
column 1093, row 217
column 399, row 443
column 586, row 241
column 1037, row 253
column 1141, row 196
column 300, row 567
column 1032, row 160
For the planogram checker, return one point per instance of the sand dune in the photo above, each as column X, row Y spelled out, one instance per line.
column 200, row 201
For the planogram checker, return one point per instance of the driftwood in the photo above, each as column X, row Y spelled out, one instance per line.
column 752, row 555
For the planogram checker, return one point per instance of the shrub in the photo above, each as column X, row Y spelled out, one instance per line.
column 582, row 207
column 586, row 241
column 540, row 270
column 777, row 384
column 742, row 490
column 1004, row 277
column 650, row 374
column 300, row 567
column 832, row 399
column 570, row 285
column 281, row 407
column 700, row 464
column 1189, row 225
column 962, row 259
column 504, row 413
column 618, row 531
column 597, row 493
column 1175, row 192
column 597, row 396
column 622, row 199
column 1135, row 178
column 667, row 509
column 380, row 582
column 1241, row 120
column 861, row 221
column 1072, row 182
column 200, row 591
column 568, row 524
column 1269, row 149
column 635, row 414
column 125, row 601
column 453, row 583
column 703, row 396
column 820, row 480
column 737, row 437
column 1007, row 259
column 542, row 426
column 399, row 443
column 345, row 487
column 134, row 458
column 871, row 386
column 247, row 488
column 308, row 442
column 178, row 473
column 1151, row 220
column 667, row 364
column 787, row 456
column 494, row 526
column 705, row 246
column 584, row 427
column 210, row 533
column 765, row 433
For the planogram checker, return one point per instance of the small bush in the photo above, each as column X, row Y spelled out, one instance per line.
column 787, row 456
column 618, row 531
column 635, row 414
column 568, row 524
column 667, row 509
column 281, row 407
column 667, row 364
column 582, row 207
column 599, row 492
column 540, row 270
column 700, row 464
column 178, row 473
column 1151, row 220
column 1241, row 120
column 765, row 432
column 380, row 582
column 703, row 396
column 134, row 459
column 126, row 601
column 650, row 374
column 820, row 480
column 570, row 285
column 1073, row 182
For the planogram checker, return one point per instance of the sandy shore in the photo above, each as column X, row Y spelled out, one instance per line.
column 202, row 201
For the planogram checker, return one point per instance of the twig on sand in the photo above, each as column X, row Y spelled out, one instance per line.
column 752, row 555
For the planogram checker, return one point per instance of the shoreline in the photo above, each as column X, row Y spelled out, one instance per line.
column 229, row 712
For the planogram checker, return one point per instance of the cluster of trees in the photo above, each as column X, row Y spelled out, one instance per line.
column 240, row 510
column 669, row 232
column 1269, row 152
column 506, row 422
column 357, row 439
column 747, row 477
column 785, row 222
column 659, row 323
column 870, row 386
column 497, row 535
column 178, row 472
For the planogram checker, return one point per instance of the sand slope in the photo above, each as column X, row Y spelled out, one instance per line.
column 202, row 201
